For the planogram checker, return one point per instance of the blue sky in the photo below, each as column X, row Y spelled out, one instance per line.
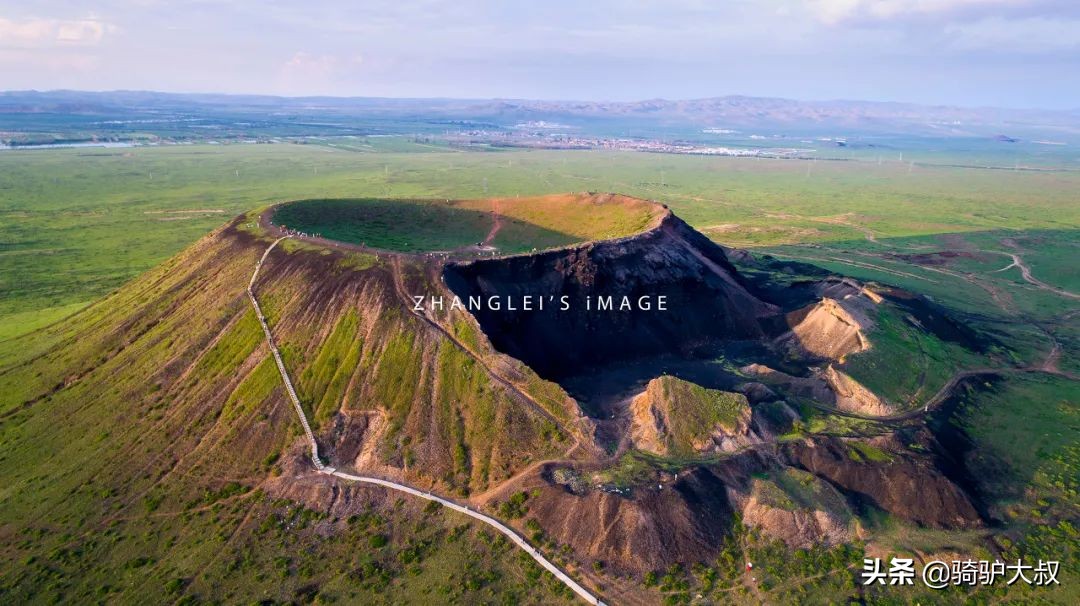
column 1011, row 53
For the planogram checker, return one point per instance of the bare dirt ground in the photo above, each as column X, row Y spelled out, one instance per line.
column 496, row 224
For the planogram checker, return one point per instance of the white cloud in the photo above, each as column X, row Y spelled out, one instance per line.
column 1034, row 35
column 59, row 61
column 85, row 31
column 30, row 31
column 307, row 63
column 833, row 12
column 309, row 73
column 33, row 33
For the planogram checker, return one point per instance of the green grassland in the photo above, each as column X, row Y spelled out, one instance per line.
column 66, row 216
column 1024, row 458
column 139, row 446
column 928, row 361
column 448, row 225
column 1030, row 458
column 85, row 484
column 213, row 549
column 405, row 225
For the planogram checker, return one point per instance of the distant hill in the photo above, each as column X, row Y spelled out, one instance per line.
column 18, row 108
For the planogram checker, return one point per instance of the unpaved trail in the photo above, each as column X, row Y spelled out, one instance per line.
column 844, row 221
column 583, row 593
column 1001, row 299
column 860, row 264
column 1025, row 271
column 277, row 356
column 487, row 495
column 1048, row 366
column 497, row 223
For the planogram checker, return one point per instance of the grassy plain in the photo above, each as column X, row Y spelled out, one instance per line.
column 524, row 224
column 67, row 216
column 77, row 224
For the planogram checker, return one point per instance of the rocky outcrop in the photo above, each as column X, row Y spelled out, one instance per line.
column 796, row 507
column 903, row 485
column 828, row 386
column 799, row 528
column 825, row 330
column 852, row 396
column 354, row 438
column 673, row 416
column 647, row 529
column 756, row 392
column 648, row 424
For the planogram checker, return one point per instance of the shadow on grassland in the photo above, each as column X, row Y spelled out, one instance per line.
column 414, row 225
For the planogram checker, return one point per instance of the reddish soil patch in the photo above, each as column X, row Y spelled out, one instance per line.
column 935, row 259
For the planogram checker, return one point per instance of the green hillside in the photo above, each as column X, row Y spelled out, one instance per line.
column 145, row 444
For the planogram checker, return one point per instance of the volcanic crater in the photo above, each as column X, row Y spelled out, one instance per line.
column 670, row 421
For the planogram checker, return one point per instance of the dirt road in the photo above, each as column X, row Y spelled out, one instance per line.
column 585, row 594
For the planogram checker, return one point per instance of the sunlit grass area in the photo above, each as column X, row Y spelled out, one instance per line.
column 66, row 216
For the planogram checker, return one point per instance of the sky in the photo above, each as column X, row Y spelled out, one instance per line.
column 1004, row 53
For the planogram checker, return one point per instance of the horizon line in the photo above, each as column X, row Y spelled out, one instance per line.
column 6, row 92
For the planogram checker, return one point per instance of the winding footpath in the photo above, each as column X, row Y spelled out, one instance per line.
column 330, row 471
column 1047, row 366
column 1025, row 272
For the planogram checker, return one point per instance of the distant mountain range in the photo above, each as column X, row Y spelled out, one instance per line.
column 764, row 111
column 730, row 112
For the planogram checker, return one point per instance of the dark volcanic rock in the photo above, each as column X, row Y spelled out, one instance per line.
column 706, row 299
column 911, row 488
column 660, row 524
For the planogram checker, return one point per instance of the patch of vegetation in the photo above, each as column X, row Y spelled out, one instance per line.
column 571, row 479
column 636, row 467
column 323, row 382
column 777, row 574
column 897, row 342
column 417, row 225
column 515, row 506
column 861, row 452
column 694, row 412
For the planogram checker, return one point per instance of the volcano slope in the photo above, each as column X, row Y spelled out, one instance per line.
column 148, row 445
column 161, row 403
